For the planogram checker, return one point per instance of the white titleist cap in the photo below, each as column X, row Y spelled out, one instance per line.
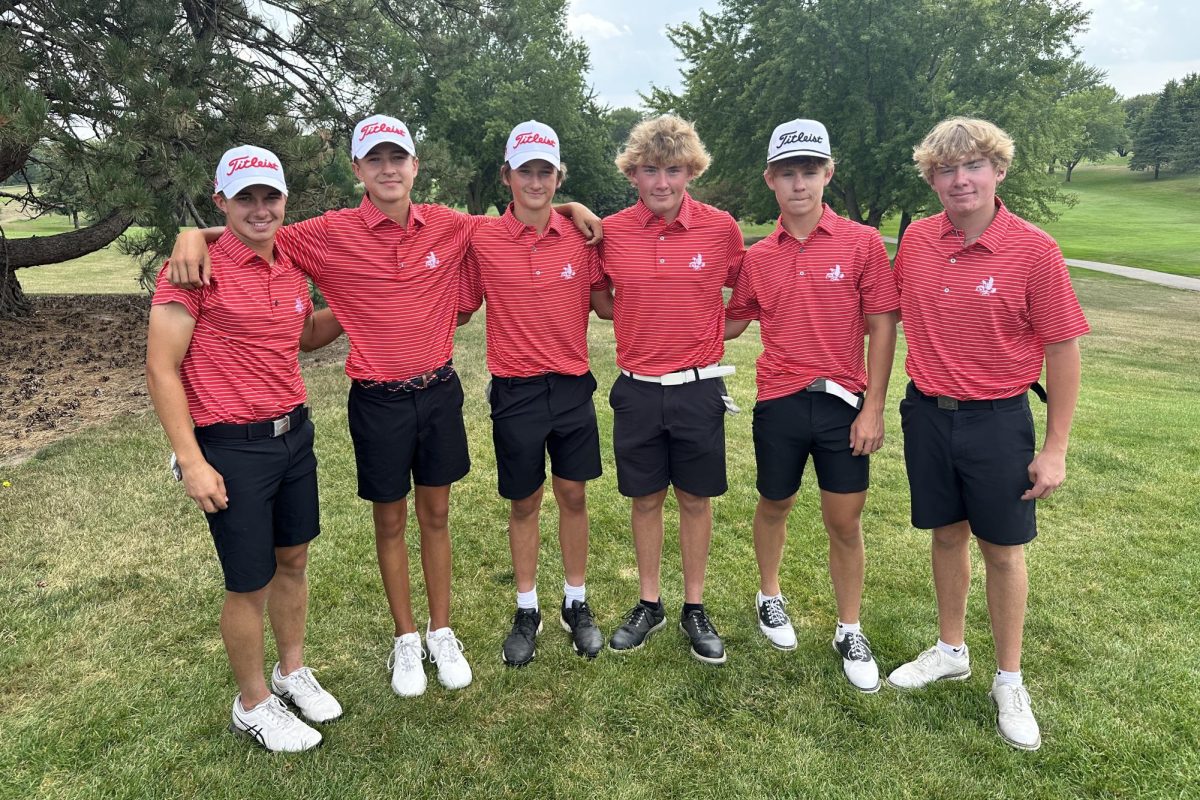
column 377, row 129
column 531, row 140
column 248, row 166
column 800, row 137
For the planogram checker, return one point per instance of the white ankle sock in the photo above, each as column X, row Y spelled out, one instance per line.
column 951, row 650
column 573, row 593
column 1013, row 678
column 762, row 598
column 846, row 627
column 527, row 599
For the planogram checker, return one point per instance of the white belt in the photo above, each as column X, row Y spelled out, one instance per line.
column 836, row 389
column 683, row 375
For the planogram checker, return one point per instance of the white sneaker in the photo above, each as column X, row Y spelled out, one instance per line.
column 445, row 650
column 858, row 662
column 932, row 665
column 408, row 676
column 1015, row 720
column 302, row 690
column 272, row 726
column 774, row 622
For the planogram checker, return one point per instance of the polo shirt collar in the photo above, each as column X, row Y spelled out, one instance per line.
column 373, row 217
column 992, row 237
column 515, row 228
column 236, row 250
column 645, row 216
column 826, row 224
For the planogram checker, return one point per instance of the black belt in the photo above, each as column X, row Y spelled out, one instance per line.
column 416, row 383
column 267, row 429
column 954, row 404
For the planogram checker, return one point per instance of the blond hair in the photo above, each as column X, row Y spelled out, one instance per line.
column 664, row 141
column 958, row 137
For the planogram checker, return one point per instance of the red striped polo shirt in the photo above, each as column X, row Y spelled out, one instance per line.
column 241, row 365
column 977, row 318
column 668, row 309
column 394, row 289
column 809, row 298
column 538, row 292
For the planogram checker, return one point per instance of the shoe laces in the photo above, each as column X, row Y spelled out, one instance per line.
column 525, row 621
column 409, row 654
column 583, row 615
column 702, row 622
column 858, row 649
column 304, row 680
column 445, row 648
column 1015, row 700
column 637, row 615
column 277, row 713
column 776, row 616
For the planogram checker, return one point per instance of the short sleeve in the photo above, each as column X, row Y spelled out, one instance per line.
column 878, row 285
column 1054, row 309
column 190, row 299
column 596, row 276
column 743, row 304
column 470, row 284
column 306, row 244
column 735, row 251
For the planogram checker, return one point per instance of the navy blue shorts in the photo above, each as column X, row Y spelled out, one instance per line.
column 272, row 488
column 406, row 437
column 545, row 414
column 971, row 464
column 788, row 429
column 669, row 435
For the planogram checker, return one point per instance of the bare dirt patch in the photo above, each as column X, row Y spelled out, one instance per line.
column 78, row 361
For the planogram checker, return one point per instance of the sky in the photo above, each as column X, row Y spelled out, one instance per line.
column 1141, row 44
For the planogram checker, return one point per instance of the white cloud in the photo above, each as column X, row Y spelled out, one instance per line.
column 589, row 26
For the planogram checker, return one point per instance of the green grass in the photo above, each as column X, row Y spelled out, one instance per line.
column 105, row 271
column 113, row 682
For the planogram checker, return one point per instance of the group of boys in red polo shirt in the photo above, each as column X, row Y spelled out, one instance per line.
column 974, row 279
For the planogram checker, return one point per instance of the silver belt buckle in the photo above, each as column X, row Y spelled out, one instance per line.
column 947, row 403
column 282, row 426
column 818, row 385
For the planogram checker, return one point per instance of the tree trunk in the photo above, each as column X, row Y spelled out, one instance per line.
column 1070, row 169
column 37, row 250
column 1155, row 170
column 905, row 219
column 13, row 302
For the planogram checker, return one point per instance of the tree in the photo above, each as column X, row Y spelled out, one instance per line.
column 1094, row 124
column 481, row 73
column 1185, row 156
column 1134, row 107
column 1158, row 134
column 879, row 74
column 136, row 99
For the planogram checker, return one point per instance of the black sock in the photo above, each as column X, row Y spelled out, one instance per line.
column 690, row 607
column 653, row 605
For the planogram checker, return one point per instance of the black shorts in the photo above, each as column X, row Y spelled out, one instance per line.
column 665, row 435
column 787, row 429
column 971, row 464
column 398, row 434
column 533, row 416
column 272, row 488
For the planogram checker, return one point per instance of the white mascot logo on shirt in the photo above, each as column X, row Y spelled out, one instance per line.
column 986, row 287
column 697, row 262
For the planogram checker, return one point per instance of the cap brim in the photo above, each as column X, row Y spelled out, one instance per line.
column 533, row 155
column 798, row 154
column 404, row 142
column 237, row 184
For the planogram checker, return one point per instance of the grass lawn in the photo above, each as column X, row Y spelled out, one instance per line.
column 114, row 684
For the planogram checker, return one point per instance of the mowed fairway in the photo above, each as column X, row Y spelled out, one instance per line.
column 114, row 684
